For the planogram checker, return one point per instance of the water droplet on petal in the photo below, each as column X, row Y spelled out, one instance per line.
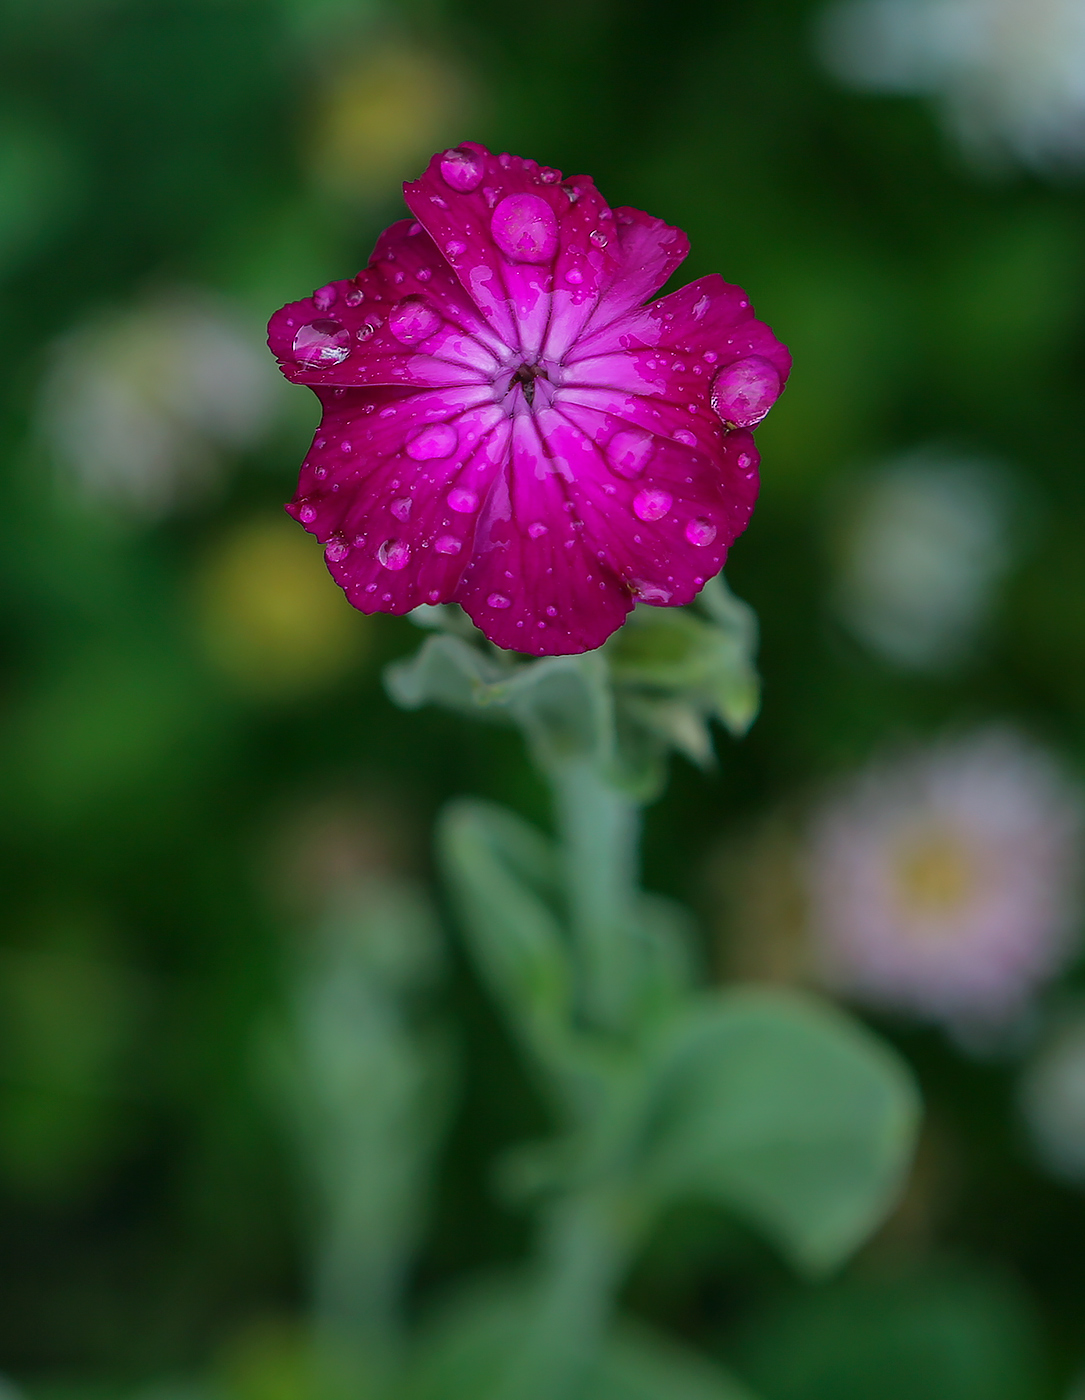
column 462, row 170
column 325, row 297
column 498, row 600
column 574, row 275
column 700, row 532
column 454, row 247
column 413, row 320
column 537, row 529
column 448, row 544
column 434, row 440
column 462, row 500
column 307, row 514
column 743, row 460
column 354, row 297
column 401, row 509
column 321, row 344
column 336, row 550
column 651, row 503
column 551, row 611
column 629, row 451
column 598, row 237
column 549, row 176
column 525, row 228
column 394, row 554
column 685, row 437
column 743, row 392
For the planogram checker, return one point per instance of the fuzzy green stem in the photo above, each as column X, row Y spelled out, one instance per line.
column 599, row 830
column 584, row 1250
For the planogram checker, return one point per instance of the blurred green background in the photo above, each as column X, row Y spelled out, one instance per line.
column 196, row 744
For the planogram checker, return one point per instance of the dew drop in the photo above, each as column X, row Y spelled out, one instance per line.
column 434, row 440
column 549, row 176
column 743, row 460
column 325, row 297
column 574, row 275
column 525, row 228
column 394, row 554
column 423, row 274
column 307, row 514
column 685, row 437
column 700, row 532
column 462, row 170
column 651, row 503
column 336, row 550
column 448, row 544
column 462, row 500
column 598, row 237
column 743, row 392
column 551, row 611
column 401, row 509
column 629, row 451
column 454, row 247
column 537, row 529
column 498, row 600
column 413, row 320
column 321, row 344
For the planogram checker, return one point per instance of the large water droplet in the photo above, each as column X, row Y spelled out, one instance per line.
column 307, row 514
column 651, row 503
column 537, row 529
column 629, row 451
column 743, row 392
column 401, row 509
column 325, row 297
column 685, row 437
column 336, row 550
column 434, row 440
column 321, row 344
column 462, row 170
column 498, row 600
column 354, row 297
column 700, row 532
column 454, row 247
column 462, row 500
column 598, row 237
column 394, row 554
column 413, row 320
column 448, row 544
column 525, row 228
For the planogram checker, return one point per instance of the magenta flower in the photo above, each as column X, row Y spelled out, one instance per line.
column 506, row 425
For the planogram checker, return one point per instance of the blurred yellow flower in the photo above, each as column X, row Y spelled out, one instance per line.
column 381, row 114
column 270, row 616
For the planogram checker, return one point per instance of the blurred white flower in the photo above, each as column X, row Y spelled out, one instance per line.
column 1052, row 1099
column 922, row 555
column 1009, row 75
column 946, row 883
column 141, row 406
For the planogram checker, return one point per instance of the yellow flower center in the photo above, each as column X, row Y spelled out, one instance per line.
column 934, row 875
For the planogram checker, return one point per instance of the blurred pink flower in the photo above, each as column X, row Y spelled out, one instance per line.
column 947, row 883
column 508, row 427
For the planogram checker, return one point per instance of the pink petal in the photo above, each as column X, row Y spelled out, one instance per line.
column 352, row 333
column 517, row 238
column 398, row 518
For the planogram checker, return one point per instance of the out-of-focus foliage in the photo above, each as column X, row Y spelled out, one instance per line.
column 183, row 689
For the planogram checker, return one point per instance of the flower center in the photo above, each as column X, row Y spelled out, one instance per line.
column 526, row 376
column 934, row 875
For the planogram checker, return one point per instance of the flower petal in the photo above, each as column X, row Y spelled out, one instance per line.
column 393, row 486
column 405, row 319
column 528, row 249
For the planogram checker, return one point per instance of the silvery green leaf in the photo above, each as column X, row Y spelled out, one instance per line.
column 471, row 1345
column 787, row 1111
column 446, row 671
column 680, row 725
column 503, row 874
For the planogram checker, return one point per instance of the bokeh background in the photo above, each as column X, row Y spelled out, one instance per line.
column 196, row 746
